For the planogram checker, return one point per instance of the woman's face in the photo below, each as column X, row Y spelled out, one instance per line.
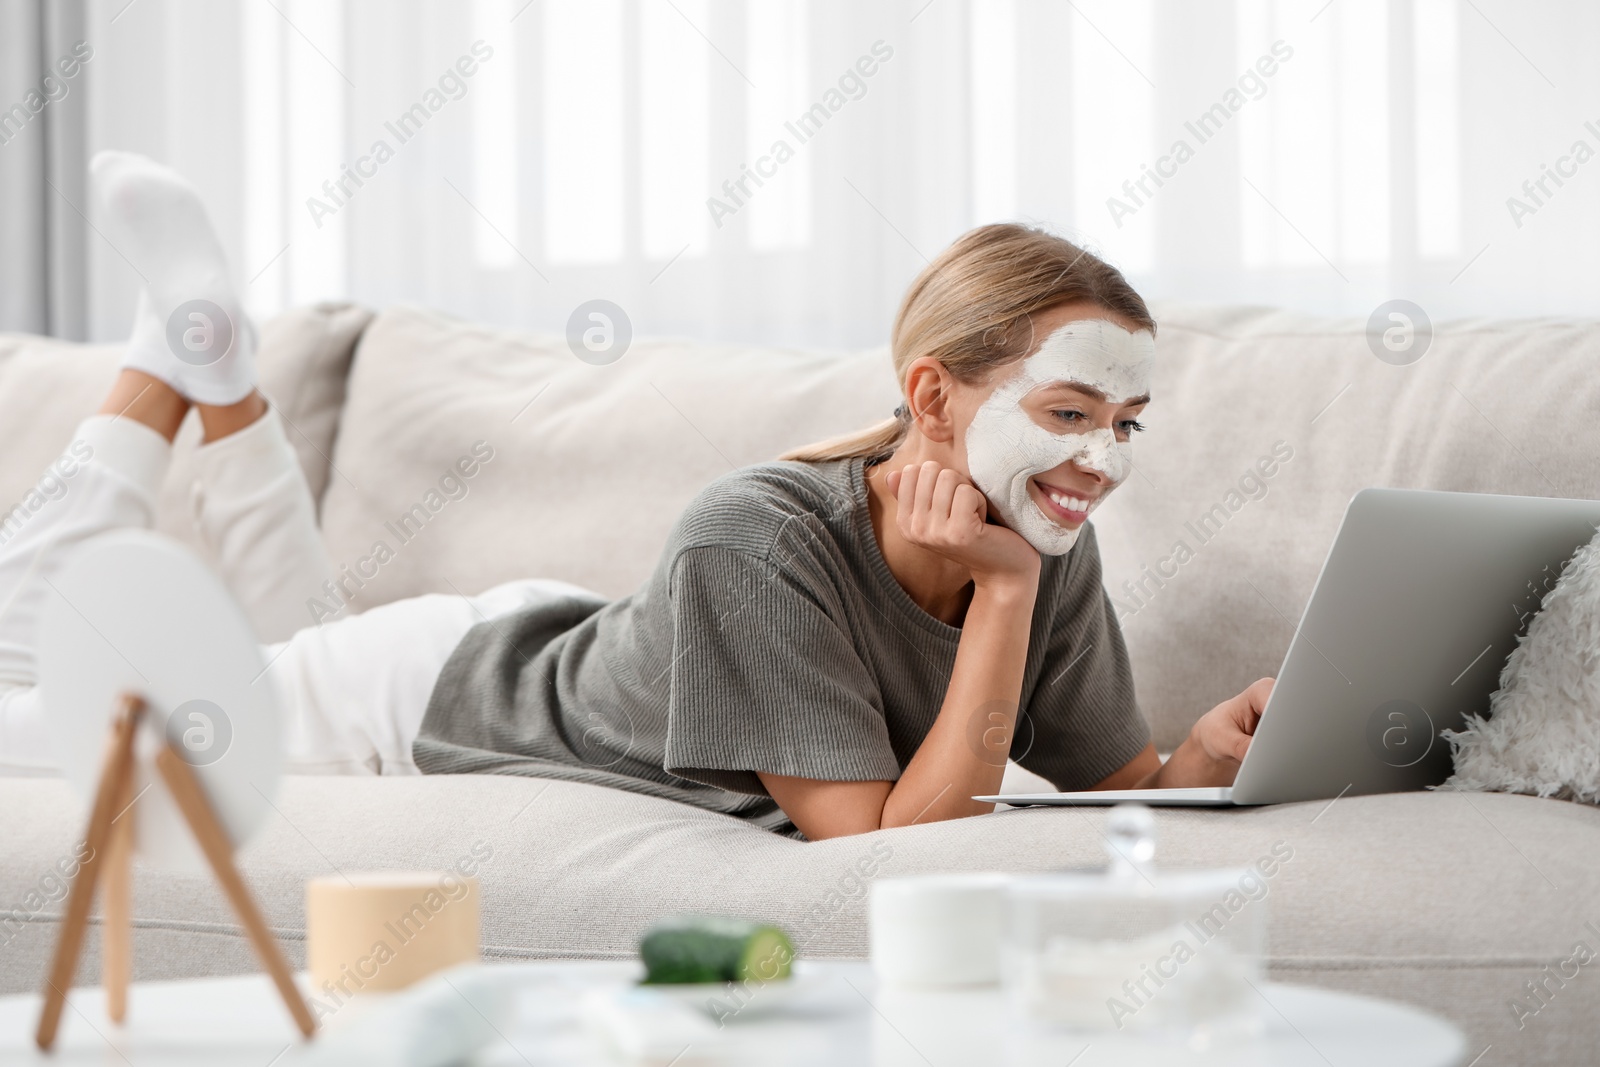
column 1047, row 437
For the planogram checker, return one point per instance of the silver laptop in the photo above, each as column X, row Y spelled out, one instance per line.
column 1419, row 602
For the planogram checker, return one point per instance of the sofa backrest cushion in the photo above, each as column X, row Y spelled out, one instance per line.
column 47, row 387
column 588, row 465
column 1264, row 424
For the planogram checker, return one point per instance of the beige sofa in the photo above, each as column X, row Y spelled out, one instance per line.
column 1263, row 426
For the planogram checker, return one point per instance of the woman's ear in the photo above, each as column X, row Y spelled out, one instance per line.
column 929, row 391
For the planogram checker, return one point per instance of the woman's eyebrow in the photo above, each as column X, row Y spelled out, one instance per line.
column 1097, row 394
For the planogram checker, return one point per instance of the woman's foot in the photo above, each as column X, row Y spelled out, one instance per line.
column 190, row 330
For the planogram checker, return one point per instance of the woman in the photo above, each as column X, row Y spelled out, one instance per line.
column 845, row 640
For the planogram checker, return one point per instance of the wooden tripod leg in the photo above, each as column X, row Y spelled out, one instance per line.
column 218, row 849
column 115, row 773
column 116, row 963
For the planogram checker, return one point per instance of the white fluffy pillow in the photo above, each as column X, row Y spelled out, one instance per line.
column 1543, row 731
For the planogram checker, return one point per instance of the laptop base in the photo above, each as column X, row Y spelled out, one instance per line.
column 1206, row 797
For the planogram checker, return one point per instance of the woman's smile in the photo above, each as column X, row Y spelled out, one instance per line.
column 1065, row 508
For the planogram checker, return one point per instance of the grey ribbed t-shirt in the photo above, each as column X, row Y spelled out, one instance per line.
column 771, row 637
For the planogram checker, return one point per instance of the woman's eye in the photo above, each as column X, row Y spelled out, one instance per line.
column 1073, row 418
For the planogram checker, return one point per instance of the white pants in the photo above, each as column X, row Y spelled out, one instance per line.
column 352, row 691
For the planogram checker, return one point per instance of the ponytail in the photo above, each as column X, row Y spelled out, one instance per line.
column 874, row 444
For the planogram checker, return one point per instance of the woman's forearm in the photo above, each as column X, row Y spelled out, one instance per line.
column 965, row 752
column 1188, row 767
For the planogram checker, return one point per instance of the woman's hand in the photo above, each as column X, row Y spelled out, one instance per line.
column 939, row 509
column 1211, row 754
column 1223, row 734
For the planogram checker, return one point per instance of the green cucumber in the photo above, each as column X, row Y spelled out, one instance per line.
column 709, row 948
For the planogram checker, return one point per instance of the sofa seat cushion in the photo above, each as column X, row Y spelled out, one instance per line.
column 1448, row 901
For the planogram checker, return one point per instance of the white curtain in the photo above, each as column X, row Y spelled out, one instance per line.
column 44, row 233
column 777, row 171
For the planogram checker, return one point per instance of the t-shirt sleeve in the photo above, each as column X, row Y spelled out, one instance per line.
column 1082, row 721
column 765, row 679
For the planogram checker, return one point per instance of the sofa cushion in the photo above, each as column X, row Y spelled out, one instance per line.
column 1542, row 733
column 47, row 387
column 1445, row 900
column 591, row 464
column 1492, row 407
column 1263, row 426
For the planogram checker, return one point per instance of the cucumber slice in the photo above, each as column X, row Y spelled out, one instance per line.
column 768, row 956
column 708, row 948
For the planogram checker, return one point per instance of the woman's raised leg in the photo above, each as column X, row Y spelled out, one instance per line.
column 354, row 691
column 255, row 512
column 107, row 478
column 251, row 502
column 190, row 344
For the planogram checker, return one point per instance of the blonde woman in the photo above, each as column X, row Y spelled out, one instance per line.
column 854, row 637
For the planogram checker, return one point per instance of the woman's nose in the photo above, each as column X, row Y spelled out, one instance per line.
column 1093, row 470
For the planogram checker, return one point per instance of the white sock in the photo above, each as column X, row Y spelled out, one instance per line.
column 190, row 330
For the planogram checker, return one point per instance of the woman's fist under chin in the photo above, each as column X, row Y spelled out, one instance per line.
column 939, row 509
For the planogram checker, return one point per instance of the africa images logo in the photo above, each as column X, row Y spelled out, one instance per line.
column 1400, row 733
column 199, row 332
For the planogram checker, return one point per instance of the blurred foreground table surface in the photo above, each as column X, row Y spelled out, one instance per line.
column 583, row 1013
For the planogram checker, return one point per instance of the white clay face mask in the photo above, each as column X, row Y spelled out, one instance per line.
column 1006, row 448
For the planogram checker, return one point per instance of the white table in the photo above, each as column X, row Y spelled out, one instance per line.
column 223, row 1022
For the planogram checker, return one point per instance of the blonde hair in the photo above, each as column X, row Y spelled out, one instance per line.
column 970, row 309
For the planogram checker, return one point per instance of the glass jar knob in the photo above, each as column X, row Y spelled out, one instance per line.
column 1131, row 842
